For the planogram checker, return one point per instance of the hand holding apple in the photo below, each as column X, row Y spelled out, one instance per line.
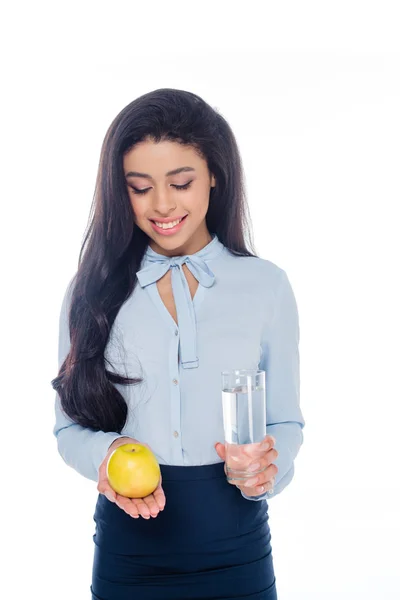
column 118, row 485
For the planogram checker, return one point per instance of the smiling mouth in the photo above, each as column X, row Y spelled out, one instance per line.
column 168, row 225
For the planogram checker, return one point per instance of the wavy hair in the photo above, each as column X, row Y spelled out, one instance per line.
column 113, row 246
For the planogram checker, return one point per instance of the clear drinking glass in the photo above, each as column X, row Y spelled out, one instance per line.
column 245, row 424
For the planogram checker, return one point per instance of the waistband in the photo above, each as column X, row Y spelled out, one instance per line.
column 192, row 472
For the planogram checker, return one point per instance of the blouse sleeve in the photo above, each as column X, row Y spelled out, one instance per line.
column 81, row 448
column 280, row 361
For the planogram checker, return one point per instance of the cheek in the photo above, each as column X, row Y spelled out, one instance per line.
column 205, row 206
column 198, row 205
column 137, row 210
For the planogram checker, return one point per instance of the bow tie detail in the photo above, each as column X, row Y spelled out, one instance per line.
column 157, row 268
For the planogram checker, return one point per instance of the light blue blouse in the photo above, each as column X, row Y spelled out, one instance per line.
column 243, row 316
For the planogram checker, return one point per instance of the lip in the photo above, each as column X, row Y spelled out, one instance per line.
column 170, row 231
column 168, row 219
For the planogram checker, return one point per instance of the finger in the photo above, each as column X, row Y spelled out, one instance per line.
column 152, row 505
column 266, row 484
column 260, row 489
column 142, row 507
column 133, row 511
column 269, row 439
column 262, row 462
column 220, row 449
column 159, row 497
column 266, row 444
column 262, row 478
column 259, row 463
column 127, row 505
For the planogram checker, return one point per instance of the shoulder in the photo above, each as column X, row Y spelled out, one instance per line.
column 254, row 268
column 256, row 281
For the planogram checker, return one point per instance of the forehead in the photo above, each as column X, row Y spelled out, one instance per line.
column 157, row 158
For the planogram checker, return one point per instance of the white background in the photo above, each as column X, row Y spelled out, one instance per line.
column 312, row 93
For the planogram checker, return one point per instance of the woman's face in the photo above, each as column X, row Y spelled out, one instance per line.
column 155, row 194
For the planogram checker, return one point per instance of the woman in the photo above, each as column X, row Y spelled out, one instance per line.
column 165, row 297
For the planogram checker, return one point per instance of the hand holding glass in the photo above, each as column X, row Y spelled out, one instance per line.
column 245, row 427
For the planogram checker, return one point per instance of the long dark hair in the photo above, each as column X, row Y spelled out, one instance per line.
column 113, row 245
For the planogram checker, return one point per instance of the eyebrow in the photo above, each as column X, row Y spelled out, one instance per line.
column 146, row 176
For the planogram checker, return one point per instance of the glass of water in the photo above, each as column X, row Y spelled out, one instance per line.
column 245, row 422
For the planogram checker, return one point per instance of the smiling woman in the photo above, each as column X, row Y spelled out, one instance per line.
column 166, row 296
column 176, row 204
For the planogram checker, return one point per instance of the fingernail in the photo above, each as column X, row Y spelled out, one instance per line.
column 265, row 446
column 251, row 482
column 109, row 496
column 273, row 439
column 254, row 467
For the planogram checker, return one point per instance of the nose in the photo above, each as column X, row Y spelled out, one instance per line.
column 163, row 204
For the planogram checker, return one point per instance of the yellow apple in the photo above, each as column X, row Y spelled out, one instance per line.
column 133, row 471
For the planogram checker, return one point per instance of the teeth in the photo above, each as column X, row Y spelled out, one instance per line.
column 168, row 225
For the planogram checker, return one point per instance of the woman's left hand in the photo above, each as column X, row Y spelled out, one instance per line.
column 262, row 482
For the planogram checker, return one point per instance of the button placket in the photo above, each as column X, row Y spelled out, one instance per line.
column 175, row 398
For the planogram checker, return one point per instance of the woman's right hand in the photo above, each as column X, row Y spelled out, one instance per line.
column 135, row 507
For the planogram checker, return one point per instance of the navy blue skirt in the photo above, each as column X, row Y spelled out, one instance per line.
column 208, row 543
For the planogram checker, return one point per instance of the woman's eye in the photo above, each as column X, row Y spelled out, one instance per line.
column 183, row 187
column 135, row 191
column 178, row 187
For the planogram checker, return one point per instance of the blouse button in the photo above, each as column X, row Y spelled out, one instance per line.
column 176, row 434
column 176, row 332
column 175, row 381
